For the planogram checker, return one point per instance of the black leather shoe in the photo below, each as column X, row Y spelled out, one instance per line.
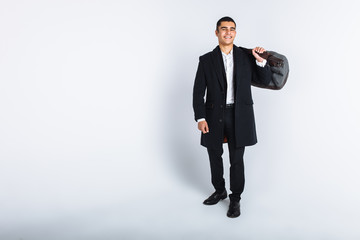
column 234, row 209
column 215, row 198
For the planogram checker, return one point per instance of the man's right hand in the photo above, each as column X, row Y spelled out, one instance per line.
column 203, row 127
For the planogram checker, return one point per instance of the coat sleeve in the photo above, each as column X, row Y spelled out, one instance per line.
column 261, row 75
column 199, row 92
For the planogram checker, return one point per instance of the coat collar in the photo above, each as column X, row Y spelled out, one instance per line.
column 238, row 55
column 219, row 66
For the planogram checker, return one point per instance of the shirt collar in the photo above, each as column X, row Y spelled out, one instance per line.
column 227, row 55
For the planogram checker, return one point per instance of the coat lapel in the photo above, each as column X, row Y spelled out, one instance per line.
column 240, row 66
column 219, row 66
column 238, row 62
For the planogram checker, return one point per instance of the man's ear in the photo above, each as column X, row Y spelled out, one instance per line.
column 216, row 32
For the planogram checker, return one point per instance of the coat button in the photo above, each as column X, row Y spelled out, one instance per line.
column 220, row 120
column 221, row 106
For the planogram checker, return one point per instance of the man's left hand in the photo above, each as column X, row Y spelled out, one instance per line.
column 255, row 52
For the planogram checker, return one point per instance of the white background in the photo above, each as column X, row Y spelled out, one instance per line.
column 98, row 140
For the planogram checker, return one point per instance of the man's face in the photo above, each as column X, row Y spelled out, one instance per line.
column 226, row 33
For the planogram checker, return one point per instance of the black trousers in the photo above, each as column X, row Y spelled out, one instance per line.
column 237, row 177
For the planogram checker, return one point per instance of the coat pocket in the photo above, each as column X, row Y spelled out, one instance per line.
column 209, row 105
column 247, row 101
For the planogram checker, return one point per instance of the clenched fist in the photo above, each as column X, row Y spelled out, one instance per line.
column 203, row 127
column 255, row 52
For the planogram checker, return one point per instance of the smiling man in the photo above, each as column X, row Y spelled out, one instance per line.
column 225, row 75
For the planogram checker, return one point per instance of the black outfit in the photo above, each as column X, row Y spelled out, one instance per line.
column 236, row 123
column 237, row 178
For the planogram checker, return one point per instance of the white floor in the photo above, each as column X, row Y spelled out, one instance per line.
column 169, row 206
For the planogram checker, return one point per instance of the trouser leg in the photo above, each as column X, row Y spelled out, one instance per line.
column 217, row 168
column 237, row 176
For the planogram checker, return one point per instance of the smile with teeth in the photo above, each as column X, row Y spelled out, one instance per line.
column 227, row 37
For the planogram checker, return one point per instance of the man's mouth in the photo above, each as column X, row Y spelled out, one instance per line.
column 228, row 37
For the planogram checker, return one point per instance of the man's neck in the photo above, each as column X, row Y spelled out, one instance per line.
column 226, row 48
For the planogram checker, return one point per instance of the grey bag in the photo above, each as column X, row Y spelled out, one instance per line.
column 279, row 66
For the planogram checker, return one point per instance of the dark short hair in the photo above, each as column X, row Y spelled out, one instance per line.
column 224, row 19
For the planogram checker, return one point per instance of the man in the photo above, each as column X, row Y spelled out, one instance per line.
column 225, row 74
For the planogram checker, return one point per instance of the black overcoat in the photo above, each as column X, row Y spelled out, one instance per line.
column 211, row 79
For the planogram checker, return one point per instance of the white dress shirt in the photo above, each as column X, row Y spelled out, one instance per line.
column 228, row 60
